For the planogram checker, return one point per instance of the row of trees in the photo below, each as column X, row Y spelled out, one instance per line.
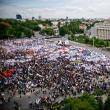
column 84, row 102
column 92, row 41
column 45, row 22
column 70, row 28
column 47, row 31
column 11, row 28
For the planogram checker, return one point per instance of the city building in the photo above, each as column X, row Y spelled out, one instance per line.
column 18, row 17
column 41, row 26
column 39, row 17
column 33, row 18
column 55, row 27
column 83, row 26
column 100, row 30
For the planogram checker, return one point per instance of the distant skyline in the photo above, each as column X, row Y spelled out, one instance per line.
column 55, row 8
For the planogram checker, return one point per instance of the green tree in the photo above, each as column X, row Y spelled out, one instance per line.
column 47, row 31
column 107, row 104
column 85, row 102
column 98, row 92
column 63, row 30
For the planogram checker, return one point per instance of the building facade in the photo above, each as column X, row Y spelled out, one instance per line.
column 100, row 30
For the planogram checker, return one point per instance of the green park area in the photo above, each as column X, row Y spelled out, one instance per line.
column 84, row 102
column 11, row 28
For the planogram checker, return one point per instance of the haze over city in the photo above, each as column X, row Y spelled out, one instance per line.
column 55, row 8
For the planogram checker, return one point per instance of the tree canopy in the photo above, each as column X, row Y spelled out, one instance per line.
column 70, row 28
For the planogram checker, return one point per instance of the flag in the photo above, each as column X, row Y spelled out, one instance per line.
column 8, row 73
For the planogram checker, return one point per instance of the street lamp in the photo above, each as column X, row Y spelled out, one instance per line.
column 93, row 42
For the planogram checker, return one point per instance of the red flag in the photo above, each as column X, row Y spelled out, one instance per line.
column 8, row 73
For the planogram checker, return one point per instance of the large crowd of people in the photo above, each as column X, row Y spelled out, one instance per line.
column 57, row 70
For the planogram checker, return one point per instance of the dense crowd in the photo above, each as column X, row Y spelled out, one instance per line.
column 56, row 78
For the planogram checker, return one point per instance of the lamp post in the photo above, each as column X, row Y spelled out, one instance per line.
column 93, row 41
